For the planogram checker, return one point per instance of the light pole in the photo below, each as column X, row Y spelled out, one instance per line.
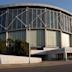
column 29, row 45
column 28, row 28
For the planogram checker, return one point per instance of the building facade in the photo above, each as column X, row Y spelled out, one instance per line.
column 39, row 24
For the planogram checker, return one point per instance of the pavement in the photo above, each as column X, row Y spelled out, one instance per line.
column 42, row 64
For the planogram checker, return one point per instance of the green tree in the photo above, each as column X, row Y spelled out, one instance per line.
column 21, row 48
column 9, row 48
column 24, row 48
column 10, row 42
column 17, row 46
column 2, row 46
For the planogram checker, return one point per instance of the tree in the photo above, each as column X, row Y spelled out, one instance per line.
column 10, row 42
column 21, row 48
column 25, row 48
column 2, row 46
column 16, row 47
column 9, row 48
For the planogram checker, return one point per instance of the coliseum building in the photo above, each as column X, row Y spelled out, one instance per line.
column 44, row 26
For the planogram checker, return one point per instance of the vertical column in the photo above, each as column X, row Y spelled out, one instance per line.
column 65, row 56
column 60, row 29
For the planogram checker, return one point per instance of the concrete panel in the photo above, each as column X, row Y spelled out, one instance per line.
column 50, row 38
column 65, row 40
column 31, row 37
column 36, row 38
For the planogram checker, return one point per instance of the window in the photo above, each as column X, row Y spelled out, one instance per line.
column 52, row 19
column 48, row 18
column 34, row 18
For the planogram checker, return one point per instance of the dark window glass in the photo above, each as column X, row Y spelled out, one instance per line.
column 34, row 18
column 14, row 15
column 55, row 19
column 3, row 20
column 43, row 18
column 18, row 35
column 23, row 35
column 59, row 21
column 9, row 16
column 48, row 18
column 38, row 18
column 40, row 38
column 24, row 17
column 30, row 16
column 18, row 21
column 51, row 19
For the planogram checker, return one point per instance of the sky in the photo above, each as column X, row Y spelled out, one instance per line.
column 65, row 4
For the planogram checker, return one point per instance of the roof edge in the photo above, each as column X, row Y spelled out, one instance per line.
column 35, row 4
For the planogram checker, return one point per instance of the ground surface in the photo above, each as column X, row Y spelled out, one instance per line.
column 51, row 66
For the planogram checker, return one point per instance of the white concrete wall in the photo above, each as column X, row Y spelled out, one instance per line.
column 31, row 37
column 9, row 59
column 65, row 40
column 50, row 39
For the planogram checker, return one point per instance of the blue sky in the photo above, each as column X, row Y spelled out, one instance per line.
column 66, row 4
